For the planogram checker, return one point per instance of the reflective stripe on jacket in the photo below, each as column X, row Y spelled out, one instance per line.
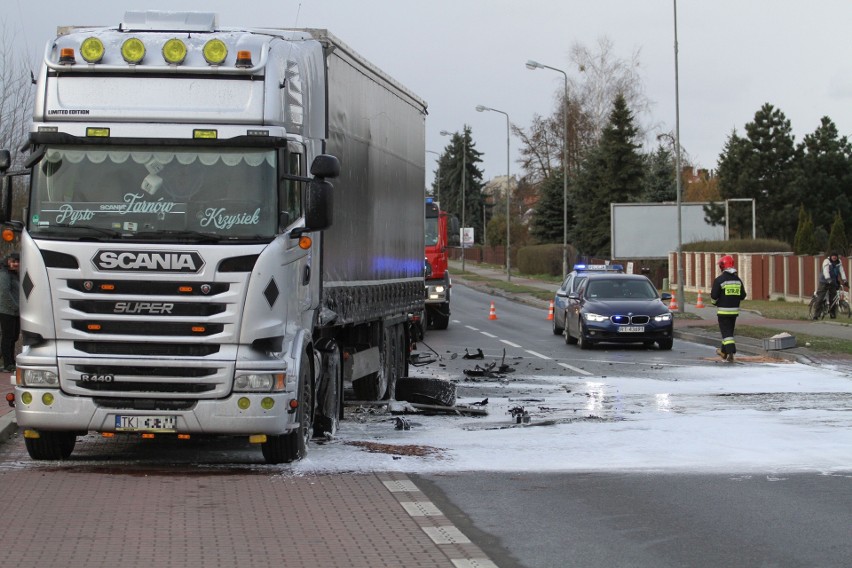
column 727, row 293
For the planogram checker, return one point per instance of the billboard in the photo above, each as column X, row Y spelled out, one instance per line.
column 649, row 230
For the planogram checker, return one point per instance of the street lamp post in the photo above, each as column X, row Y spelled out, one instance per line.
column 678, row 176
column 680, row 299
column 533, row 65
column 481, row 108
column 464, row 184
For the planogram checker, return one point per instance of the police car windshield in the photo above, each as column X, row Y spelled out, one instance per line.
column 162, row 192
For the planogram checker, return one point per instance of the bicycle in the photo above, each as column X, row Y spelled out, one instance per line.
column 818, row 310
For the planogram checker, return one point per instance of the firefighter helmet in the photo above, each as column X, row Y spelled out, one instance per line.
column 726, row 262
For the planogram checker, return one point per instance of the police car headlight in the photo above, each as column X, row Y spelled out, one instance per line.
column 39, row 378
column 595, row 317
column 663, row 317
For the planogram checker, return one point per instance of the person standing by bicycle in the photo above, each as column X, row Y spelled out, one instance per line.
column 727, row 293
column 831, row 277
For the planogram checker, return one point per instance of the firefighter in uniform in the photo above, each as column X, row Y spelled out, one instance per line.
column 727, row 293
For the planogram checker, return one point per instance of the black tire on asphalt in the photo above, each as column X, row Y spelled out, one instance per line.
column 666, row 344
column 330, row 394
column 569, row 339
column 582, row 342
column 51, row 445
column 426, row 390
column 439, row 316
column 556, row 329
column 293, row 445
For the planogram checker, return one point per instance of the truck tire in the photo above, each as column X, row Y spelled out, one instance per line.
column 426, row 390
column 293, row 445
column 439, row 316
column 51, row 445
column 382, row 385
column 330, row 391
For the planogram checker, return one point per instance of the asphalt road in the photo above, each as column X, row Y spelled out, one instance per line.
column 651, row 520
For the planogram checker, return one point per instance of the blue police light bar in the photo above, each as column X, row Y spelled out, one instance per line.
column 428, row 200
column 601, row 267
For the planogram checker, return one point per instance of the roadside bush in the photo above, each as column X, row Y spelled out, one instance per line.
column 544, row 259
column 739, row 245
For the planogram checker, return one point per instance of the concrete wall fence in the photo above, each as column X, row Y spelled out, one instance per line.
column 767, row 276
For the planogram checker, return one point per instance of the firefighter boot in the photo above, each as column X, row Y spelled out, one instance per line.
column 721, row 353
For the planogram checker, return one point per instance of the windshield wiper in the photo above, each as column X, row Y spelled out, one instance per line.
column 60, row 229
column 192, row 236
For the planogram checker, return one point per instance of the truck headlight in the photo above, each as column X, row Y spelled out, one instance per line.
column 439, row 289
column 259, row 382
column 38, row 378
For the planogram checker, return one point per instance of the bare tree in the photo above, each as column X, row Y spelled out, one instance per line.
column 600, row 76
column 16, row 96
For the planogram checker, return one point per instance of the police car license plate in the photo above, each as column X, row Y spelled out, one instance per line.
column 631, row 329
column 146, row 423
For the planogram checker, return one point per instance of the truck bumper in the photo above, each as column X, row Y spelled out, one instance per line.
column 437, row 292
column 222, row 416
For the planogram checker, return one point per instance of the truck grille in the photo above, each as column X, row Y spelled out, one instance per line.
column 147, row 349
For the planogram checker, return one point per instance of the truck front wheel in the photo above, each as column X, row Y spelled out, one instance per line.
column 51, row 445
column 439, row 316
column 293, row 445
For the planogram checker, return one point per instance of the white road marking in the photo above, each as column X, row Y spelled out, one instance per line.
column 509, row 343
column 539, row 355
column 486, row 334
column 472, row 328
column 575, row 369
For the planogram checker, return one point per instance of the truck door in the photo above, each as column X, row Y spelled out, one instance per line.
column 291, row 211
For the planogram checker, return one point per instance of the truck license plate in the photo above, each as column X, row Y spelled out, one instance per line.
column 146, row 423
column 631, row 329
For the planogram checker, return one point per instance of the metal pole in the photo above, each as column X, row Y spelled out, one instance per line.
column 508, row 200
column 680, row 298
column 565, row 193
column 464, row 186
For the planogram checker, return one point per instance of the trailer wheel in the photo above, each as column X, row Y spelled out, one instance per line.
column 426, row 390
column 51, row 445
column 294, row 444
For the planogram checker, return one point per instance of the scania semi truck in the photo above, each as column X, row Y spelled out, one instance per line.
column 188, row 268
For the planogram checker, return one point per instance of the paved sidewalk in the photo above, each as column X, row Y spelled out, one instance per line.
column 701, row 329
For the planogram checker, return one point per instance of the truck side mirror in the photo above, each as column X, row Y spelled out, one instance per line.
column 5, row 160
column 319, row 204
column 325, row 166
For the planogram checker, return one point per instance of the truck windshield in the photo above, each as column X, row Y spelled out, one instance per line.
column 431, row 231
column 154, row 193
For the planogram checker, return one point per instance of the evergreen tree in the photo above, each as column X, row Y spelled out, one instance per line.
column 825, row 174
column 762, row 166
column 659, row 183
column 837, row 240
column 447, row 186
column 611, row 173
column 547, row 222
column 810, row 241
column 798, row 240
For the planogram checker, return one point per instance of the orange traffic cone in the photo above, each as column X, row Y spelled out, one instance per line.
column 493, row 314
column 673, row 305
column 699, row 303
column 550, row 312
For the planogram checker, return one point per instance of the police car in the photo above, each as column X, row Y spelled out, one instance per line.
column 571, row 285
column 618, row 308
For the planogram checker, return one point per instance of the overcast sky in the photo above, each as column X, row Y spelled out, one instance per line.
column 734, row 55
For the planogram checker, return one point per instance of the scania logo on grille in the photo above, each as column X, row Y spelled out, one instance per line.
column 148, row 261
